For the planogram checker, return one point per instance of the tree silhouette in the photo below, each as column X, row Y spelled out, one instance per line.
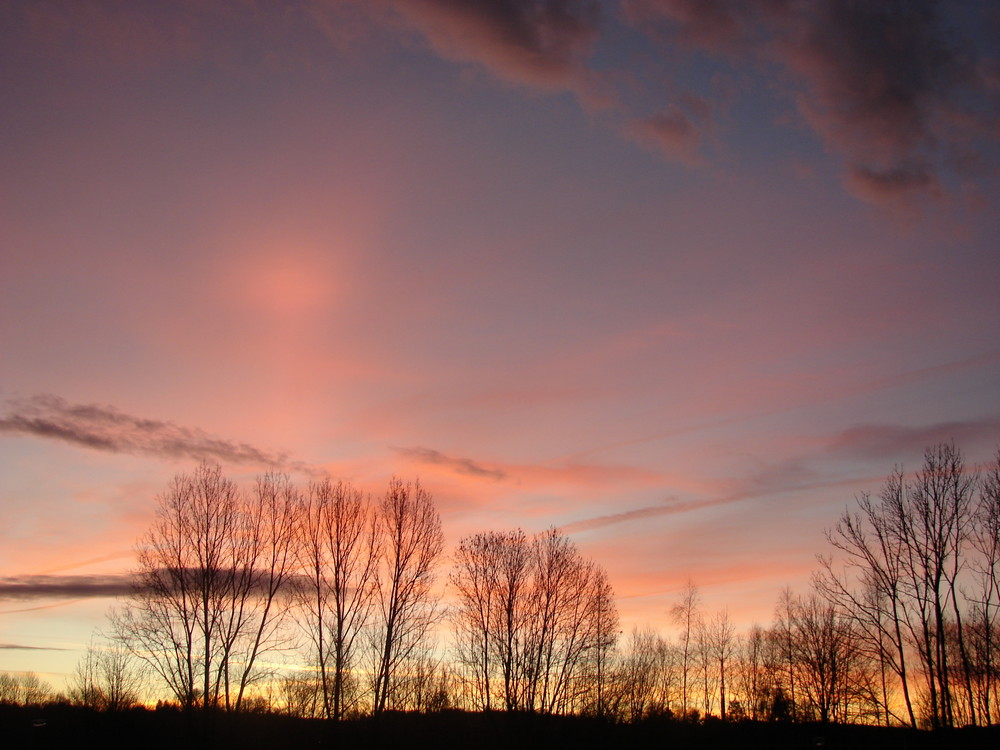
column 205, row 599
column 535, row 622
column 410, row 542
column 337, row 555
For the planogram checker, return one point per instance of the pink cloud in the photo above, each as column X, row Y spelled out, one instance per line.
column 528, row 477
column 671, row 132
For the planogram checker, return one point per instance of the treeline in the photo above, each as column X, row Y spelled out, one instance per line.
column 231, row 582
column 323, row 602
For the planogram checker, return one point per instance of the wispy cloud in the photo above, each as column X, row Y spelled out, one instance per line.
column 105, row 428
column 802, row 474
column 651, row 511
column 898, row 441
column 779, row 479
column 460, row 465
column 18, row 647
column 31, row 587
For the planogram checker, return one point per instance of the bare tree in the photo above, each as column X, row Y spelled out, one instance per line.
column 299, row 696
column 603, row 633
column 784, row 630
column 934, row 528
column 686, row 613
column 106, row 678
column 490, row 575
column 722, row 645
column 880, row 605
column 337, row 554
column 535, row 623
column 567, row 594
column 825, row 654
column 25, row 689
column 985, row 539
column 410, row 538
column 205, row 601
column 644, row 675
column 757, row 668
column 263, row 563
column 84, row 683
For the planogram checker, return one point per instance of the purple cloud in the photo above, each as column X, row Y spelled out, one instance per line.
column 105, row 428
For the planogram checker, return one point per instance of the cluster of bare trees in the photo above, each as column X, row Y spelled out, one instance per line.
column 535, row 623
column 223, row 574
column 900, row 629
column 233, row 585
column 229, row 579
column 919, row 579
column 207, row 598
column 25, row 689
column 106, row 678
column 901, row 626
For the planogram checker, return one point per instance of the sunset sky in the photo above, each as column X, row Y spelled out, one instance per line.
column 681, row 277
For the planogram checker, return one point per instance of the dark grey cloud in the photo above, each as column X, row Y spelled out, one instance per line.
column 30, row 587
column 891, row 86
column 541, row 43
column 105, row 428
column 461, row 465
column 56, row 590
column 17, row 647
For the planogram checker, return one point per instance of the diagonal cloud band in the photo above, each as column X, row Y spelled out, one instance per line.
column 30, row 587
column 105, row 428
column 461, row 465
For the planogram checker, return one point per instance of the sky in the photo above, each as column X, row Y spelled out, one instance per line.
column 679, row 277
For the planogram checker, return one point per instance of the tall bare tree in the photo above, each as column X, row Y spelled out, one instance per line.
column 337, row 556
column 535, row 622
column 686, row 613
column 722, row 645
column 985, row 538
column 934, row 528
column 878, row 599
column 206, row 596
column 906, row 557
column 410, row 543
column 490, row 575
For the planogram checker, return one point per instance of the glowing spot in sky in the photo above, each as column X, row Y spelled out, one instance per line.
column 288, row 283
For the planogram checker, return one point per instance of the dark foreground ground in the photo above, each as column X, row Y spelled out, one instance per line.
column 60, row 726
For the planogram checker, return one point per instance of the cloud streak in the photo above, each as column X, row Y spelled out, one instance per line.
column 105, row 428
column 651, row 511
column 28, row 587
column 459, row 465
column 783, row 478
column 894, row 441
column 795, row 475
